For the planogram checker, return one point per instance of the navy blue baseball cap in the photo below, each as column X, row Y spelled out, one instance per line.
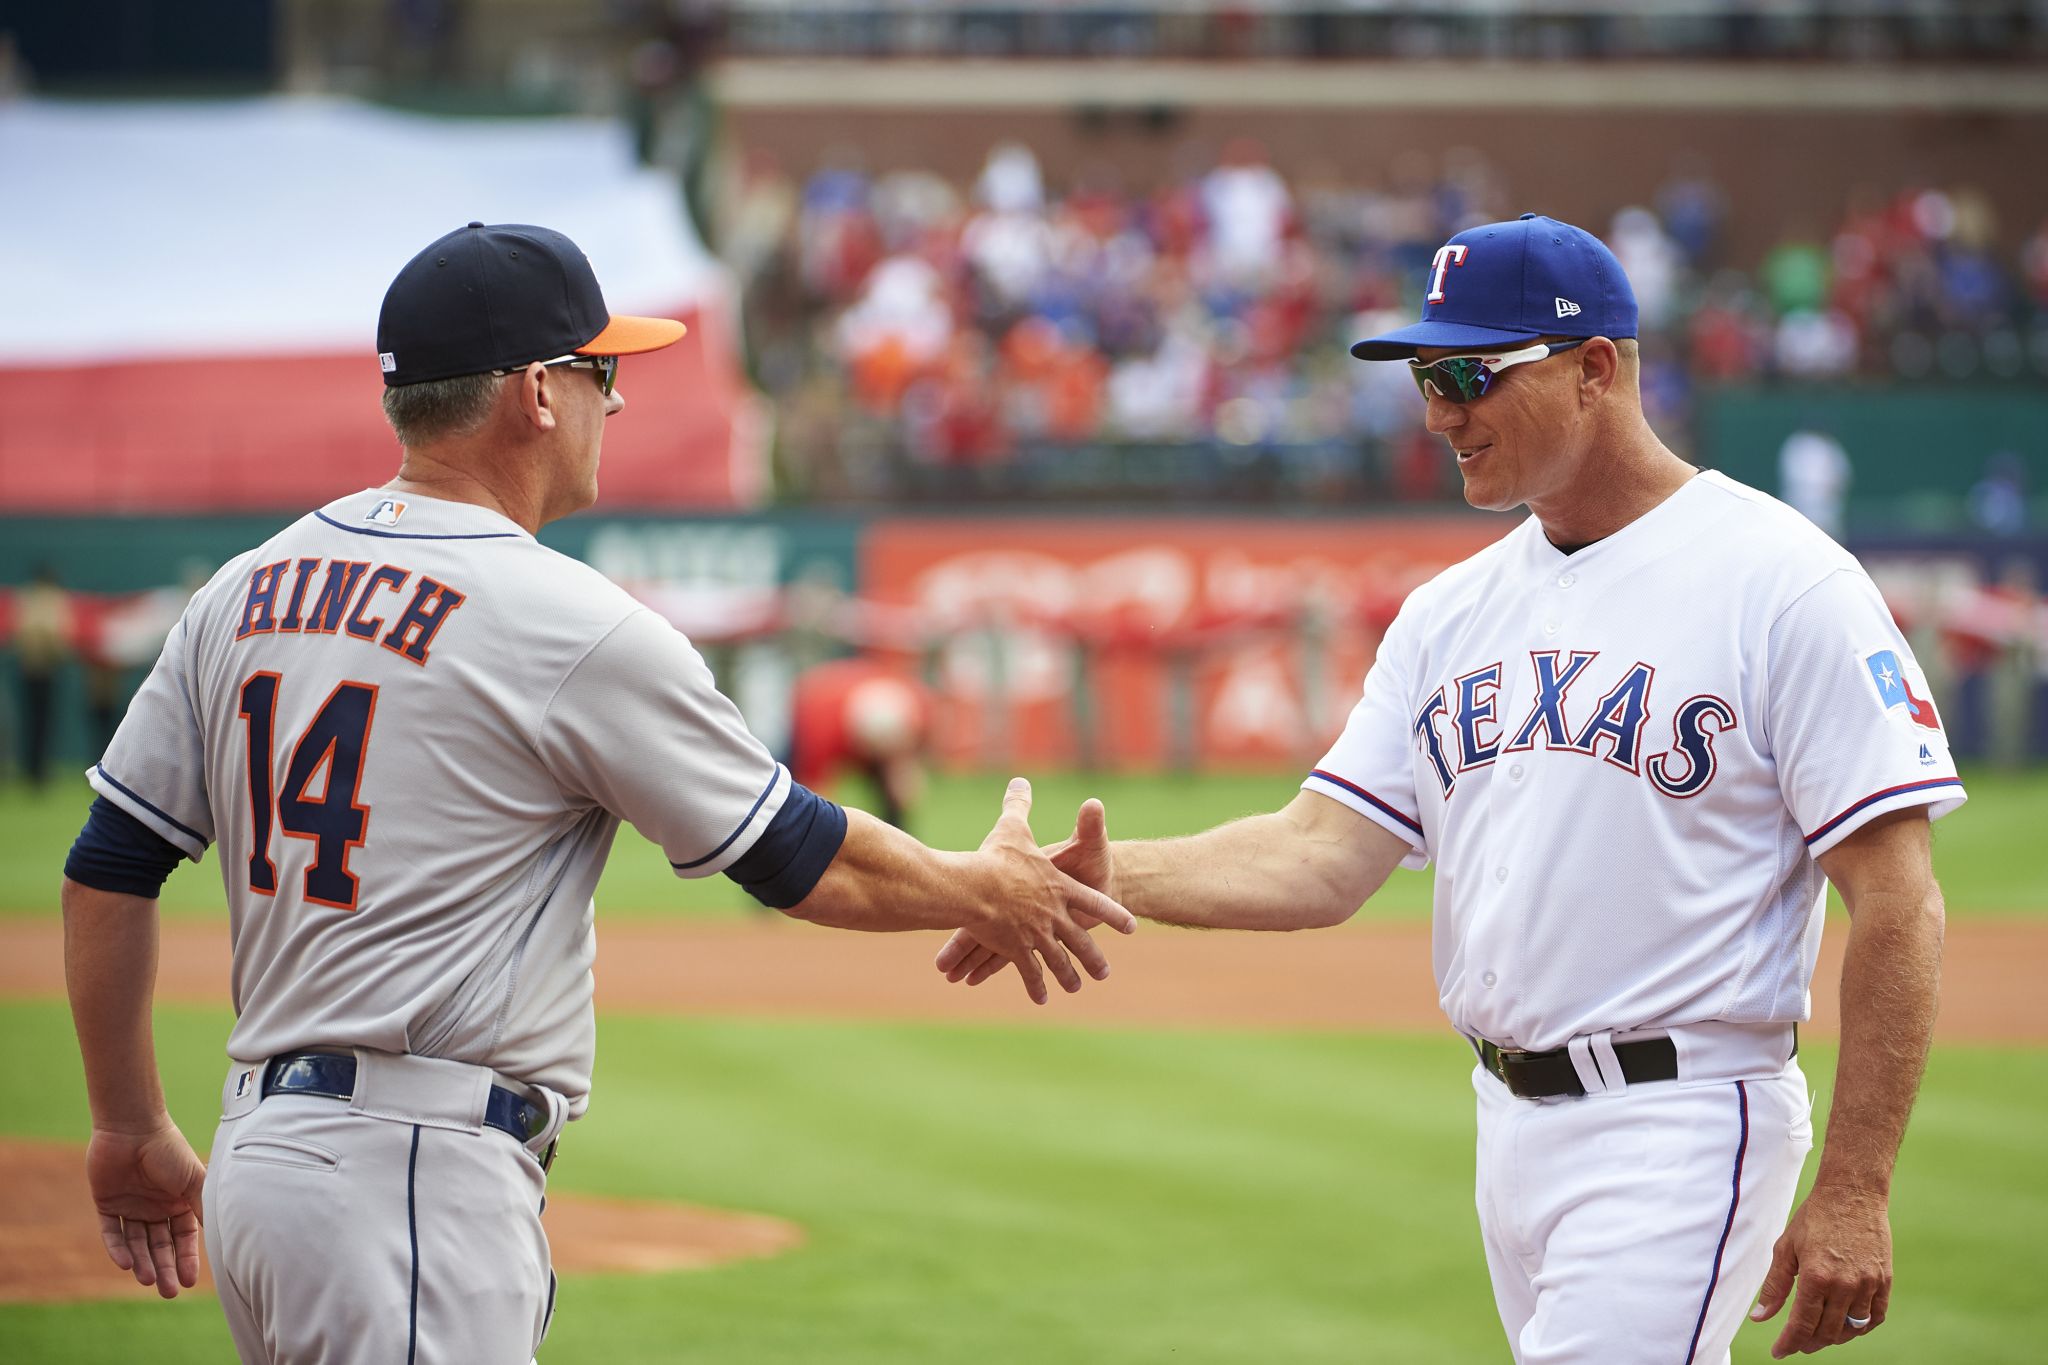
column 1501, row 284
column 497, row 298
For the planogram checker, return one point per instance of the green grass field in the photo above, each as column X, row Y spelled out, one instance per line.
column 1012, row 1194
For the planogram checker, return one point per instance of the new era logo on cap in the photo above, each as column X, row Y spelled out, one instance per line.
column 1567, row 309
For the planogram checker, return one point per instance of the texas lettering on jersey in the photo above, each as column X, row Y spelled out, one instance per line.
column 1459, row 727
column 342, row 603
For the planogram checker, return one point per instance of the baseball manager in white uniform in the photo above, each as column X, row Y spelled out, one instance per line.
column 1633, row 736
column 413, row 732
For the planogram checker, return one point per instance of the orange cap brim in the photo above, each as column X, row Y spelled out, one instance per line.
column 631, row 336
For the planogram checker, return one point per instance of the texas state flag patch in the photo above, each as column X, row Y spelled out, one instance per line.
column 1893, row 689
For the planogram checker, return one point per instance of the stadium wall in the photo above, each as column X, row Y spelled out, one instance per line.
column 1131, row 643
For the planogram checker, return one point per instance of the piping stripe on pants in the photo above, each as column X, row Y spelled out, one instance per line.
column 1734, row 1202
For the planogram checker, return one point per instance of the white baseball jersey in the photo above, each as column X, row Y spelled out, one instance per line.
column 413, row 730
column 1625, row 761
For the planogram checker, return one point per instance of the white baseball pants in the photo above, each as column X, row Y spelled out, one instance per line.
column 339, row 1238
column 1636, row 1225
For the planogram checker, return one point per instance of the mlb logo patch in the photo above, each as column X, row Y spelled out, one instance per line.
column 387, row 512
column 386, row 361
column 1894, row 690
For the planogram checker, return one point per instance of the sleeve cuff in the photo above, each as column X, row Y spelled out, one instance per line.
column 1939, row 794
column 1374, row 808
column 187, row 840
column 736, row 844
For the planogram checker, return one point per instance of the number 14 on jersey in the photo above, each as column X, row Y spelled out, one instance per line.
column 331, row 748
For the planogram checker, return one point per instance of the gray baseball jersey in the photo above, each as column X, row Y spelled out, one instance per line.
column 413, row 731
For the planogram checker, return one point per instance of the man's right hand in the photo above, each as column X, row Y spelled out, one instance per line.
column 147, row 1187
column 1086, row 858
column 1043, row 910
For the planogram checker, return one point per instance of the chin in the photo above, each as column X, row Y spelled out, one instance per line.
column 1488, row 500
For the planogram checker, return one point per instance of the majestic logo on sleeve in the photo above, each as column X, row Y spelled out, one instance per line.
column 1893, row 689
column 1458, row 727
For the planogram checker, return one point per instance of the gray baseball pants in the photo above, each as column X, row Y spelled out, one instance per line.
column 393, row 1229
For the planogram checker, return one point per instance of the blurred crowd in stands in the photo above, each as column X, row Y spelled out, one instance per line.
column 919, row 337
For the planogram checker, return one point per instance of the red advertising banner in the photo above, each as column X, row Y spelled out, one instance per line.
column 1143, row 644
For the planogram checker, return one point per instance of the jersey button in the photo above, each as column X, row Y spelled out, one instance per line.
column 1500, row 874
column 1489, row 981
column 1515, row 773
column 1565, row 580
column 1550, row 627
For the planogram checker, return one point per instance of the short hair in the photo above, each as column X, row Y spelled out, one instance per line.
column 439, row 408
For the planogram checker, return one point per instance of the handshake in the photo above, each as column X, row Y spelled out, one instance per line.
column 1050, row 899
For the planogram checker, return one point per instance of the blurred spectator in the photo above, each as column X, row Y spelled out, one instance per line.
column 860, row 715
column 1814, row 476
column 1249, row 210
column 43, row 632
column 1998, row 501
column 1652, row 262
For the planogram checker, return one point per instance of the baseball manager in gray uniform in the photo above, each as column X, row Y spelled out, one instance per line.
column 413, row 731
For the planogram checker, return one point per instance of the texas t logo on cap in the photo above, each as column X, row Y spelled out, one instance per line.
column 1446, row 257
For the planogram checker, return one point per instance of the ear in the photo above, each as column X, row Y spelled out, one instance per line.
column 537, row 401
column 1599, row 367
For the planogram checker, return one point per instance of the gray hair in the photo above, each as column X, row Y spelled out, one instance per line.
column 440, row 408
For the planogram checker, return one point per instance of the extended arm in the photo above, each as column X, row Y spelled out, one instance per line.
column 146, row 1181
column 1310, row 864
column 1838, row 1244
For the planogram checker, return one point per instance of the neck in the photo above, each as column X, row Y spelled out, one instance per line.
column 458, row 476
column 1612, row 492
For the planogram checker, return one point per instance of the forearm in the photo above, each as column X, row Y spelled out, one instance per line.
column 1273, row 871
column 882, row 880
column 1890, row 983
column 110, row 951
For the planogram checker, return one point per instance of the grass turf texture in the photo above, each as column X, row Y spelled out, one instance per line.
column 1986, row 854
column 1026, row 1194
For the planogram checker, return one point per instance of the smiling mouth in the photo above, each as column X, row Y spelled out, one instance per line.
column 1473, row 452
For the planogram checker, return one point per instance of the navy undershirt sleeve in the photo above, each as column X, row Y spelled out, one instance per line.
column 117, row 852
column 793, row 852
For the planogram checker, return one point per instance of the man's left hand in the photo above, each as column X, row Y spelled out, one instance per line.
column 1839, row 1248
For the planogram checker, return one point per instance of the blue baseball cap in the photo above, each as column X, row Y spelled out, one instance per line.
column 497, row 297
column 1500, row 284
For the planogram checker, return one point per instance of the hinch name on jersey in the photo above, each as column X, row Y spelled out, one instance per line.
column 343, row 601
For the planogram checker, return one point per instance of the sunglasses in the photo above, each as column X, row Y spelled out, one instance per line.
column 607, row 367
column 1462, row 378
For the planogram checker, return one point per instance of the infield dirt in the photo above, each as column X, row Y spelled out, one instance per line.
column 1360, row 977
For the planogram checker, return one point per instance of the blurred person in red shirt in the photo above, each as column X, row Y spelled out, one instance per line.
column 860, row 715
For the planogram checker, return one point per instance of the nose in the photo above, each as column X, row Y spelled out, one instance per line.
column 615, row 403
column 1443, row 416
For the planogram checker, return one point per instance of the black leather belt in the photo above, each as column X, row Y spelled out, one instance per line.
column 333, row 1076
column 1546, row 1075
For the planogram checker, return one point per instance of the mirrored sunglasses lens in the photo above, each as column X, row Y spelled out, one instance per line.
column 1459, row 379
column 608, row 371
